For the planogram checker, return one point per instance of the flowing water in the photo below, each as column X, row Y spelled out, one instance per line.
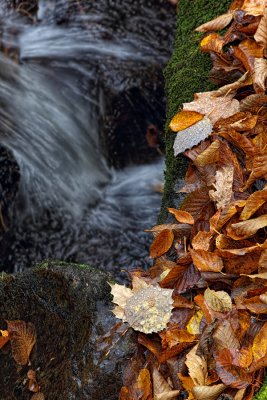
column 72, row 204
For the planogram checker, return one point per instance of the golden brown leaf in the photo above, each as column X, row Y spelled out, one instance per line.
column 212, row 42
column 162, row 390
column 194, row 323
column 144, row 384
column 202, row 240
column 248, row 228
column 260, row 74
column 253, row 102
column 259, row 347
column 208, row 156
column 206, row 261
column 208, row 392
column 247, row 51
column 162, row 243
column 213, row 106
column 230, row 374
column 253, row 7
column 253, row 203
column 197, row 367
column 261, row 33
column 184, row 119
column 225, row 337
column 23, row 338
column 182, row 216
column 218, row 300
column 259, row 169
column 216, row 24
column 245, row 80
column 4, row 338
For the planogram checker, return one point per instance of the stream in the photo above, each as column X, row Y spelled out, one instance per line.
column 80, row 82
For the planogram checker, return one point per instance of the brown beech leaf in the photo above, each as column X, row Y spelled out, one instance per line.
column 173, row 336
column 245, row 80
column 192, row 136
column 202, row 240
column 184, row 119
column 206, row 261
column 248, row 228
column 241, row 141
column 195, row 202
column 162, row 390
column 255, row 305
column 218, row 300
column 144, row 384
column 253, row 7
column 263, row 262
column 182, row 216
column 259, row 169
column 162, row 243
column 208, row 156
column 253, row 203
column 223, row 187
column 197, row 367
column 259, row 347
column 212, row 42
column 216, row 24
column 38, row 396
column 23, row 338
column 213, row 106
column 181, row 277
column 4, row 338
column 208, row 392
column 261, row 33
column 225, row 337
column 260, row 74
column 246, row 52
column 230, row 374
column 253, row 102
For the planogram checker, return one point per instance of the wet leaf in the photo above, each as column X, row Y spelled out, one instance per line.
column 260, row 74
column 208, row 156
column 184, row 119
column 216, row 24
column 212, row 42
column 162, row 390
column 248, row 228
column 214, row 107
column 23, row 338
column 162, row 243
column 144, row 384
column 182, row 216
column 253, row 203
column 194, row 323
column 218, row 300
column 197, row 367
column 259, row 348
column 223, row 187
column 208, row 392
column 181, row 277
column 202, row 240
column 230, row 374
column 191, row 136
column 225, row 337
column 206, row 261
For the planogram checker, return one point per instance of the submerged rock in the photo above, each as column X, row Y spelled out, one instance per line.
column 69, row 307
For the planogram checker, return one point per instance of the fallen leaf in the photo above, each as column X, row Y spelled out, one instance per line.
column 253, row 7
column 183, row 216
column 225, row 337
column 230, row 374
column 38, row 396
column 162, row 390
column 260, row 74
column 261, row 33
column 202, row 240
column 184, row 119
column 206, row 261
column 197, row 367
column 259, row 169
column 208, row 392
column 248, row 228
column 4, row 338
column 144, row 384
column 212, row 42
column 223, row 187
column 246, row 52
column 191, row 136
column 253, row 203
column 216, row 24
column 259, row 347
column 214, row 107
column 23, row 338
column 162, row 243
column 218, row 300
column 208, row 156
column 194, row 323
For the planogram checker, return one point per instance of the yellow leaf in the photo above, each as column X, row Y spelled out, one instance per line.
column 193, row 324
column 182, row 216
column 208, row 392
column 197, row 367
column 184, row 119
column 259, row 348
column 218, row 301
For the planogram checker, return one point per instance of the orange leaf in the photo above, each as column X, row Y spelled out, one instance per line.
column 259, row 169
column 206, row 261
column 162, row 243
column 144, row 384
column 253, row 203
column 259, row 347
column 182, row 216
column 202, row 240
column 248, row 228
column 23, row 338
column 212, row 42
column 184, row 119
column 4, row 338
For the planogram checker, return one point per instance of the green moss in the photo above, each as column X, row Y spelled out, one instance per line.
column 49, row 263
column 185, row 74
column 262, row 394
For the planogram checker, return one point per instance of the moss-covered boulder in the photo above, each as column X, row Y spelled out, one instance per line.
column 186, row 73
column 69, row 307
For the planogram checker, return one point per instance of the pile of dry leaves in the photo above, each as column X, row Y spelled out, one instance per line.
column 201, row 310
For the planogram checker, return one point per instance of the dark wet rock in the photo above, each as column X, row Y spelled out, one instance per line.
column 70, row 309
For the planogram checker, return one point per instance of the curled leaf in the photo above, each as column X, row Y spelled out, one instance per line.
column 216, row 24
column 218, row 300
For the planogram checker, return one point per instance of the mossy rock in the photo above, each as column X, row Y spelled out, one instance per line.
column 70, row 309
column 186, row 73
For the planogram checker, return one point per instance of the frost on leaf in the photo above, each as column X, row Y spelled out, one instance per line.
column 146, row 310
column 191, row 136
